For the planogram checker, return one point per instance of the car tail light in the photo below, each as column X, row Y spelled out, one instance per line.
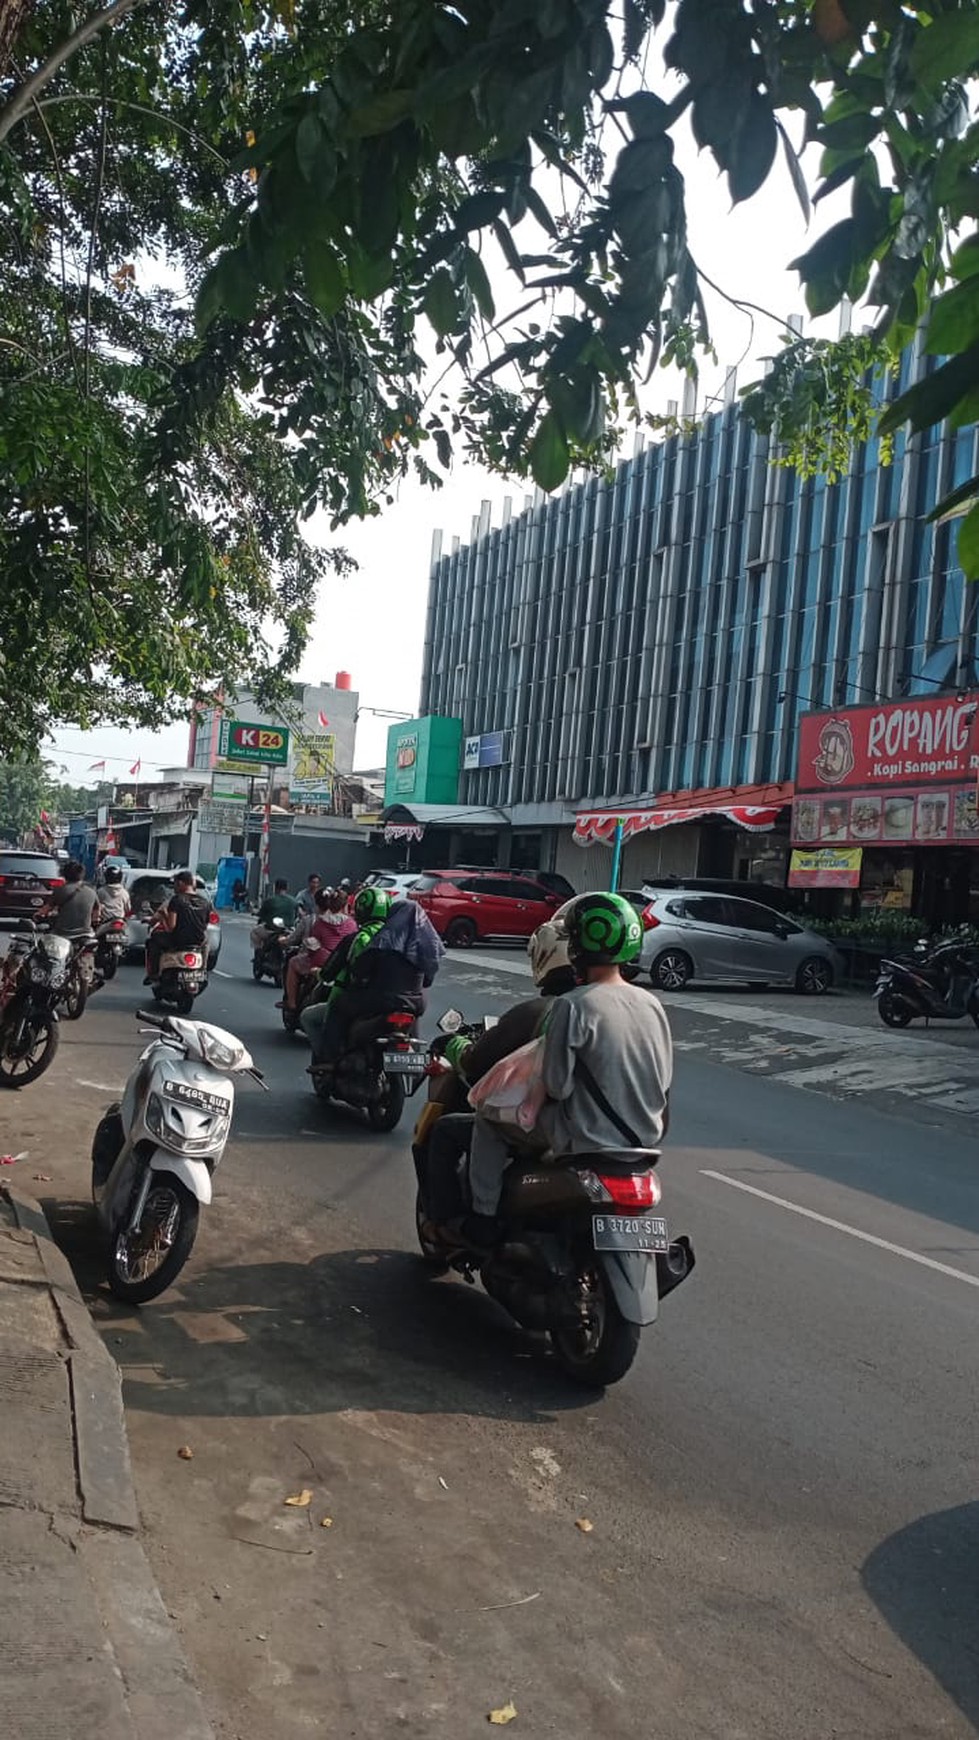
column 649, row 919
column 399, row 1019
column 213, row 918
column 632, row 1190
column 54, row 882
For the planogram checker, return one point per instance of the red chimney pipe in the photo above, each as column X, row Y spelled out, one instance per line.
column 343, row 680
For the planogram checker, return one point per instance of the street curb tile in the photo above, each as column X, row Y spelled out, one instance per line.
column 101, row 1445
column 162, row 1699
column 160, row 1693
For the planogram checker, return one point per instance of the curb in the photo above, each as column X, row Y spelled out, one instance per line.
column 160, row 1693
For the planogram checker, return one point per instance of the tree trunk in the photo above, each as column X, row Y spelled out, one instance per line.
column 14, row 14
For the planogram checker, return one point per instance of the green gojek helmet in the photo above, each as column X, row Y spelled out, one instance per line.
column 603, row 931
column 372, row 906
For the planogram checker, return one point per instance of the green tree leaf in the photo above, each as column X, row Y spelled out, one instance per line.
column 968, row 545
column 479, row 284
column 549, row 456
column 752, row 150
column 441, row 303
column 954, row 322
column 825, row 269
column 946, row 48
column 324, row 276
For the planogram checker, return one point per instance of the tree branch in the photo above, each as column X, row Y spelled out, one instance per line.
column 26, row 94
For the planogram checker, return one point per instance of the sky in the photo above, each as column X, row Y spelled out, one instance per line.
column 371, row 623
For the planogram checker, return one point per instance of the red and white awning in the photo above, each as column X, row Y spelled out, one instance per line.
column 598, row 826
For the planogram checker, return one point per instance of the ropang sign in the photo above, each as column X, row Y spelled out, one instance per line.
column 857, row 747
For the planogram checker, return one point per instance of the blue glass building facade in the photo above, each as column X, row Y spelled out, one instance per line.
column 660, row 632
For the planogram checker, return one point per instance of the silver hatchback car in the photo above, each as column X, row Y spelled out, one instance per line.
column 727, row 940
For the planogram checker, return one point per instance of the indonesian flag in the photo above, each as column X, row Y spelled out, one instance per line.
column 97, row 767
column 45, row 817
column 322, row 720
column 135, row 767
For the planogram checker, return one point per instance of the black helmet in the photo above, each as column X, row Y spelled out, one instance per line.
column 113, row 874
column 603, row 930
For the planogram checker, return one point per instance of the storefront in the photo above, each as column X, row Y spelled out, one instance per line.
column 739, row 833
column 897, row 781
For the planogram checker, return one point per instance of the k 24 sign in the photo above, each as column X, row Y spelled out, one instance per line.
column 241, row 741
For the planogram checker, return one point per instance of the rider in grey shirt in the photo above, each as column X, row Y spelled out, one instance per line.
column 606, row 1029
column 73, row 908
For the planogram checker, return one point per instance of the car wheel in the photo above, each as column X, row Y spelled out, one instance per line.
column 671, row 970
column 461, row 934
column 814, row 977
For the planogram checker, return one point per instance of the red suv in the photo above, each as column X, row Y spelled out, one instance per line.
column 469, row 906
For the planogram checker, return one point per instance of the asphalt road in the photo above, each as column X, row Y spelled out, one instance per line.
column 783, row 1491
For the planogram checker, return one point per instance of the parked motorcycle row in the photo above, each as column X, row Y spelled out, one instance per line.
column 940, row 982
column 42, row 978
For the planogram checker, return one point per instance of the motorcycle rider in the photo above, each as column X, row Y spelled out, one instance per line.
column 327, row 929
column 74, row 908
column 607, row 1063
column 180, row 924
column 114, row 900
column 323, row 1027
column 306, row 902
column 451, row 1135
column 279, row 904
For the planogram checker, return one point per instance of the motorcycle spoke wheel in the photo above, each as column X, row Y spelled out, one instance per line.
column 144, row 1264
column 25, row 1056
column 599, row 1346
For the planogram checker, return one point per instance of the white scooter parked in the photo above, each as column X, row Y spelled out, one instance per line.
column 153, row 1154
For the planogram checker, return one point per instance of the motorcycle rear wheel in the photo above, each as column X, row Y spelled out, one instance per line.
column 110, row 967
column 893, row 1012
column 258, row 971
column 385, row 1113
column 174, row 1211
column 76, row 998
column 20, row 1070
column 601, row 1348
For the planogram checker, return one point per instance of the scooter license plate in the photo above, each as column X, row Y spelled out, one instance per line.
column 404, row 1062
column 629, row 1232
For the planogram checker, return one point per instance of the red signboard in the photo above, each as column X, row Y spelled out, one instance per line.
column 914, row 743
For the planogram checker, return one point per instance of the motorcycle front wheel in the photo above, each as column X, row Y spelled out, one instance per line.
column 894, row 1012
column 142, row 1265
column 384, row 1113
column 600, row 1347
column 27, row 1047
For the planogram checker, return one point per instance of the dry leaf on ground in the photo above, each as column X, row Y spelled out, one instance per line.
column 185, row 1453
column 300, row 1500
column 501, row 1717
column 584, row 1525
column 41, row 1177
column 326, row 1522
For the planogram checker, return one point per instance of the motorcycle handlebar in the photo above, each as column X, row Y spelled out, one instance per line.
column 151, row 1017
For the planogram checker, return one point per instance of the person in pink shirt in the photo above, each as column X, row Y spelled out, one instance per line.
column 328, row 928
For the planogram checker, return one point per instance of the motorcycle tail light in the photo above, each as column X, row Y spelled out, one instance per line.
column 632, row 1190
column 401, row 1020
column 117, row 925
column 190, row 960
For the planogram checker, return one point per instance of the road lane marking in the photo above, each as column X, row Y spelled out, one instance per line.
column 104, row 1087
column 219, row 975
column 841, row 1226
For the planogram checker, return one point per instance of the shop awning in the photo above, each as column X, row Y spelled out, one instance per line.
column 754, row 808
column 444, row 816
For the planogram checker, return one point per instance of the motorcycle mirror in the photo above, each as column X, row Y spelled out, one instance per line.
column 450, row 1022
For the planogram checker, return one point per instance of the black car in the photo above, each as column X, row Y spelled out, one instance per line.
column 26, row 881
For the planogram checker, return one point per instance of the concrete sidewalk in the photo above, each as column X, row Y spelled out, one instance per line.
column 86, row 1646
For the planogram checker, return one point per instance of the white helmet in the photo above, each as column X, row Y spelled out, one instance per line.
column 548, row 949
